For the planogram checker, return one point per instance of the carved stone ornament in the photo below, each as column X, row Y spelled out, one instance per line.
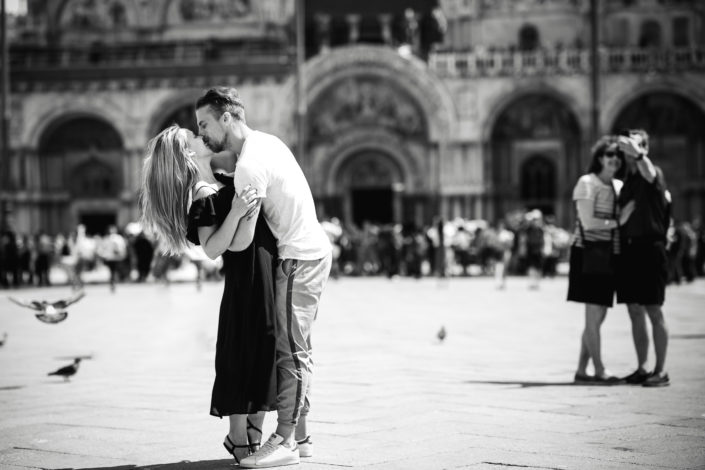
column 364, row 102
column 213, row 10
column 368, row 170
column 95, row 14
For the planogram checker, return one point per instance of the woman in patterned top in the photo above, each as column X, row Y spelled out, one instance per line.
column 595, row 196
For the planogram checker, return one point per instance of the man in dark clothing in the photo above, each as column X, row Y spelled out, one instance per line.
column 643, row 270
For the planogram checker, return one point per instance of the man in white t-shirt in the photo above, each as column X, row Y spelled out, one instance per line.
column 265, row 163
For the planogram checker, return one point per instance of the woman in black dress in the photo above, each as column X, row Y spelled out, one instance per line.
column 174, row 172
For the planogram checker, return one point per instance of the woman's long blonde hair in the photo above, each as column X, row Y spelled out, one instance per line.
column 168, row 176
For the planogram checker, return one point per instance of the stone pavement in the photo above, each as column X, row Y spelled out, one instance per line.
column 497, row 393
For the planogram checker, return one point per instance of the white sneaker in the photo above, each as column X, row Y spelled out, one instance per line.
column 272, row 454
column 305, row 447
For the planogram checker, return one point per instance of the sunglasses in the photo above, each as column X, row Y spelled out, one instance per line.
column 610, row 154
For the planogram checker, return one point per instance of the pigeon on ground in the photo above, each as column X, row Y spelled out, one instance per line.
column 67, row 371
column 50, row 312
column 441, row 334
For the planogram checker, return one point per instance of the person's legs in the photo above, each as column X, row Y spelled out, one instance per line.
column 591, row 341
column 660, row 335
column 640, row 334
column 236, row 440
column 254, row 430
column 296, row 310
column 299, row 285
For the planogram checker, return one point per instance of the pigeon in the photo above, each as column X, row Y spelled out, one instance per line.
column 50, row 312
column 4, row 339
column 441, row 334
column 67, row 371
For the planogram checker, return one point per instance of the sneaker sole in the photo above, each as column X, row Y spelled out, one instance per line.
column 271, row 464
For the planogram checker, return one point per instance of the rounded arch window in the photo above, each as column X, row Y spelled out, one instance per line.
column 650, row 34
column 528, row 38
column 80, row 134
column 94, row 179
column 69, row 144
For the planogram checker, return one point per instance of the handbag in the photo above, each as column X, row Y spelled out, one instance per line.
column 597, row 255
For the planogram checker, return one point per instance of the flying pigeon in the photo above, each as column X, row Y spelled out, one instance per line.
column 67, row 371
column 441, row 334
column 50, row 312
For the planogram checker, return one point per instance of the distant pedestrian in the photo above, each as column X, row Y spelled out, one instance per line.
column 144, row 252
column 45, row 255
column 595, row 196
column 535, row 243
column 505, row 244
column 112, row 250
column 643, row 266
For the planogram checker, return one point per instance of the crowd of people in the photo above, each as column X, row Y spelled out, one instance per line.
column 521, row 243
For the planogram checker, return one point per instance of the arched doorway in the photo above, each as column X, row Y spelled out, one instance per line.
column 535, row 152
column 676, row 144
column 537, row 183
column 368, row 134
column 371, row 182
column 80, row 172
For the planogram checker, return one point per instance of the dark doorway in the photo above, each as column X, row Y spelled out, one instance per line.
column 372, row 205
column 538, row 184
column 97, row 223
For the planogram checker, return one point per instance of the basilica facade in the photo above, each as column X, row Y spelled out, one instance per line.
column 402, row 110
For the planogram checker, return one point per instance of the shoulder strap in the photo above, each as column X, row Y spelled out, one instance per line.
column 199, row 186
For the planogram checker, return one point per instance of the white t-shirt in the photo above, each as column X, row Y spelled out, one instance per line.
column 267, row 164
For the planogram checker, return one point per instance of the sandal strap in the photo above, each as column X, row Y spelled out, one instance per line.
column 233, row 446
column 252, row 426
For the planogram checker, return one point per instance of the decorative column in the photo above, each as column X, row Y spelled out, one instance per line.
column 353, row 28
column 322, row 31
column 385, row 22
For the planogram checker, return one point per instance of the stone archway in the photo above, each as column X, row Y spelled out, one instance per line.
column 531, row 126
column 371, row 183
column 365, row 114
column 80, row 169
column 676, row 144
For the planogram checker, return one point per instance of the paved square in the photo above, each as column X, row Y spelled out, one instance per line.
column 388, row 394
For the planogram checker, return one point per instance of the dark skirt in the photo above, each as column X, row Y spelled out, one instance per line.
column 245, row 380
column 589, row 288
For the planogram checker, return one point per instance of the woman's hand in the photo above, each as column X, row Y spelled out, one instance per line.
column 245, row 203
column 625, row 212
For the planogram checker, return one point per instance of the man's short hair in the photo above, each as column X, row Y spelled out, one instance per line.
column 223, row 100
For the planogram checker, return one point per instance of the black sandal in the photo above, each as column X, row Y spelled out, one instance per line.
column 254, row 446
column 231, row 448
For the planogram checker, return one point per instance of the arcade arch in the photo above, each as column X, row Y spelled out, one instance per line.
column 368, row 138
column 676, row 144
column 535, row 147
column 81, row 173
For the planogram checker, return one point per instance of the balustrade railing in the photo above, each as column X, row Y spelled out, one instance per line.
column 96, row 55
column 564, row 61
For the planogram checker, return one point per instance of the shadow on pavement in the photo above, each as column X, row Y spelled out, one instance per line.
column 527, row 384
column 185, row 465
